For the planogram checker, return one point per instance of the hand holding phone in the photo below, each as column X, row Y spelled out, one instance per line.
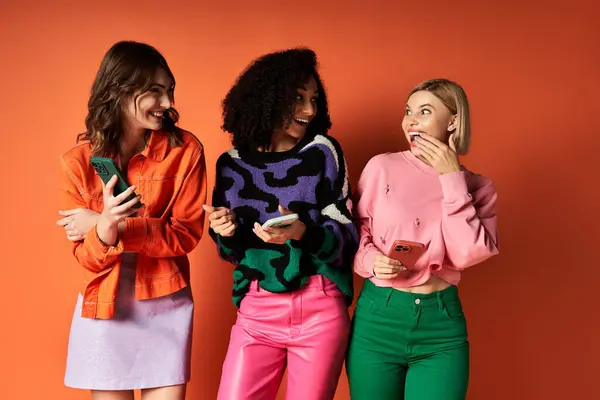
column 281, row 229
column 408, row 253
column 386, row 268
column 119, row 199
column 106, row 168
column 115, row 210
column 280, row 222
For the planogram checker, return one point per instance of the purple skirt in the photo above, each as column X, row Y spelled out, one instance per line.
column 146, row 345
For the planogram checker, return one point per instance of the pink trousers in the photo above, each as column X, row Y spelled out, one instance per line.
column 306, row 330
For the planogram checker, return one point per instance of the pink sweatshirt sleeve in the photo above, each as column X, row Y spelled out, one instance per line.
column 365, row 199
column 469, row 222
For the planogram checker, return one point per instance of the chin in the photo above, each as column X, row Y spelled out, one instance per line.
column 154, row 127
column 296, row 135
column 299, row 136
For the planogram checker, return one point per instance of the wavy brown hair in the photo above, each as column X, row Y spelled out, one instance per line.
column 128, row 68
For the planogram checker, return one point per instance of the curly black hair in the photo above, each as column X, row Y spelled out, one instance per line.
column 263, row 98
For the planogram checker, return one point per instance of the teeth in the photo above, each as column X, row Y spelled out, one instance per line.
column 413, row 135
column 157, row 114
column 302, row 120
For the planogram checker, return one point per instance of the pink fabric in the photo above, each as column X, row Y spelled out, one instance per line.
column 307, row 330
column 399, row 197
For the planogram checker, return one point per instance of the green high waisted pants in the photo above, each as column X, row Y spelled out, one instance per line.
column 408, row 346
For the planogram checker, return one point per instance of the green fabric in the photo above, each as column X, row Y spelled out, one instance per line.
column 318, row 250
column 406, row 346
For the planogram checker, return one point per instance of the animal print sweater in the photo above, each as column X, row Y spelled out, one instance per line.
column 311, row 180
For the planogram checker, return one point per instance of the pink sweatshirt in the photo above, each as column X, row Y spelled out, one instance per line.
column 402, row 198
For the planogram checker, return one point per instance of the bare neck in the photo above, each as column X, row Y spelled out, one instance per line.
column 281, row 141
column 132, row 142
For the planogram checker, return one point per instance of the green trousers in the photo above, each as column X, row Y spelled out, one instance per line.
column 408, row 346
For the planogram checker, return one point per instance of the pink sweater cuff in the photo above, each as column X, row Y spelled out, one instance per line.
column 368, row 261
column 454, row 186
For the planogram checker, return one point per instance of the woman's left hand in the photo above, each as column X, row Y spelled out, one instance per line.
column 77, row 222
column 281, row 235
column 439, row 155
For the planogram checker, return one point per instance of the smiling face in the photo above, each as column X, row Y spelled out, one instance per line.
column 144, row 110
column 426, row 113
column 305, row 109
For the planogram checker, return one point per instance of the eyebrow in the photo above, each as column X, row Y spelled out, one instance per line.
column 306, row 90
column 422, row 106
column 161, row 85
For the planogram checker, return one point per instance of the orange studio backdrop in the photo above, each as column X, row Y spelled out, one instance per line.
column 530, row 71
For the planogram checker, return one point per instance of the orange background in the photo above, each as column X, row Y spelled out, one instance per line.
column 531, row 72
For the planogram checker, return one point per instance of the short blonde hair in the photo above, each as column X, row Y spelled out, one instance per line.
column 455, row 99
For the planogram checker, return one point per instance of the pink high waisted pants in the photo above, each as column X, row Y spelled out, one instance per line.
column 305, row 331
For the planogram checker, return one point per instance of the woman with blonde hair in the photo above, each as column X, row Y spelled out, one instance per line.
column 423, row 219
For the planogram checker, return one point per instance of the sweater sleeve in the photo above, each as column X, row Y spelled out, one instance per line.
column 231, row 248
column 365, row 202
column 333, row 239
column 469, row 221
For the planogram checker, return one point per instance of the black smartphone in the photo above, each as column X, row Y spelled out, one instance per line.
column 106, row 168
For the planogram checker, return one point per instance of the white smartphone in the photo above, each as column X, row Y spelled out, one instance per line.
column 280, row 222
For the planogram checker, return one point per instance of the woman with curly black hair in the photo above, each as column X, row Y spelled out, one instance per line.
column 292, row 281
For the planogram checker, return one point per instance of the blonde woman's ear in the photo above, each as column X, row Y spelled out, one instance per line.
column 453, row 125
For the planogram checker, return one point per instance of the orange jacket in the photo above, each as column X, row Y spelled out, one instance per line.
column 172, row 184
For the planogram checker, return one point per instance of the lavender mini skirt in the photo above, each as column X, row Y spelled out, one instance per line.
column 146, row 345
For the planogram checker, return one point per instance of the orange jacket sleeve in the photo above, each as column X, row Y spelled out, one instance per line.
column 91, row 253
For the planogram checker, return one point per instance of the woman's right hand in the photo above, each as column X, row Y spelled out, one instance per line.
column 114, row 212
column 386, row 268
column 222, row 220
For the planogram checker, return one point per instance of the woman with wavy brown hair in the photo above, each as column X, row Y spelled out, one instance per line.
column 132, row 325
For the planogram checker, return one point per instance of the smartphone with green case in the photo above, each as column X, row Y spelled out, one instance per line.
column 106, row 168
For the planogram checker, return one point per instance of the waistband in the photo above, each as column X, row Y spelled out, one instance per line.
column 315, row 282
column 388, row 296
